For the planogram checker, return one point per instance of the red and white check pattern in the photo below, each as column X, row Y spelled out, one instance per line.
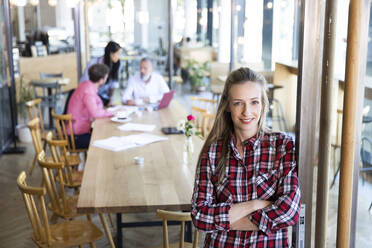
column 267, row 171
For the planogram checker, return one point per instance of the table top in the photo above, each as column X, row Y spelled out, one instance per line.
column 113, row 183
column 59, row 80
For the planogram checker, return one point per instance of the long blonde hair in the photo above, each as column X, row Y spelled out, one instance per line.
column 223, row 125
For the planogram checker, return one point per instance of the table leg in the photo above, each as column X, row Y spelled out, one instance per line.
column 188, row 232
column 50, row 108
column 119, row 234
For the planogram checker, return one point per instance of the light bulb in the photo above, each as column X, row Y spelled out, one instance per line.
column 72, row 3
column 52, row 2
column 34, row 2
column 20, row 3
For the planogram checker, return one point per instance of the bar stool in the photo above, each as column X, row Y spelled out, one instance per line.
column 50, row 94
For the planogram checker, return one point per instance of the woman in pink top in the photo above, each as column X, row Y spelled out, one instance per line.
column 85, row 105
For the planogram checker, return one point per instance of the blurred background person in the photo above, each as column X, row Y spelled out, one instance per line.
column 111, row 58
column 146, row 86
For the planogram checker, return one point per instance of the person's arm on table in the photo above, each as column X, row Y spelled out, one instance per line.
column 93, row 109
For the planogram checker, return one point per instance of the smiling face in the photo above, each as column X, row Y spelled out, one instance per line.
column 245, row 107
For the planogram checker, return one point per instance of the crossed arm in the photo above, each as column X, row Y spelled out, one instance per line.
column 211, row 215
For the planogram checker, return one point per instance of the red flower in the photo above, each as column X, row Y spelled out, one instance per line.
column 190, row 118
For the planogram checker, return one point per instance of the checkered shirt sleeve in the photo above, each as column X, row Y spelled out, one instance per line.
column 285, row 209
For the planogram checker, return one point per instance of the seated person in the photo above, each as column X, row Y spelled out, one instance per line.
column 85, row 105
column 144, row 87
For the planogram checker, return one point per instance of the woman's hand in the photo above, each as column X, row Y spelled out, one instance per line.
column 239, row 212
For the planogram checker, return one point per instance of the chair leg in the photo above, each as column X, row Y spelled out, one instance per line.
column 107, row 230
column 92, row 245
column 370, row 206
column 111, row 222
column 89, row 217
column 32, row 165
column 54, row 219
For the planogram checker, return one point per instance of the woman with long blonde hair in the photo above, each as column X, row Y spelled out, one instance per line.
column 246, row 188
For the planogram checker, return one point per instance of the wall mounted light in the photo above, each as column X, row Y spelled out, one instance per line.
column 34, row 2
column 19, row 3
column 52, row 3
column 72, row 3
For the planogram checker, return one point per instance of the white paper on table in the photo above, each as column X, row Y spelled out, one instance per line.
column 115, row 143
column 120, row 143
column 146, row 138
column 136, row 127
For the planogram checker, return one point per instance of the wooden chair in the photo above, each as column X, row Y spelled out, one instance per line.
column 34, row 111
column 200, row 106
column 62, row 123
column 58, row 149
column 176, row 216
column 65, row 234
column 207, row 123
column 33, row 125
column 61, row 205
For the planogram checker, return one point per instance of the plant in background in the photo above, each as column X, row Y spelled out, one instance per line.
column 198, row 73
column 23, row 94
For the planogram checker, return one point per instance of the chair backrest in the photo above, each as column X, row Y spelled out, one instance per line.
column 176, row 216
column 33, row 125
column 51, row 170
column 34, row 111
column 69, row 94
column 366, row 152
column 58, row 150
column 40, row 225
column 51, row 75
column 64, row 123
column 200, row 106
column 207, row 123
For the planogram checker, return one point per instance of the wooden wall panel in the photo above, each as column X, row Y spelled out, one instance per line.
column 30, row 67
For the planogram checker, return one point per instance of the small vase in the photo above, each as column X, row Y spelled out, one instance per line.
column 188, row 150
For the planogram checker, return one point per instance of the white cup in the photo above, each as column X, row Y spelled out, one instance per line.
column 139, row 160
column 121, row 114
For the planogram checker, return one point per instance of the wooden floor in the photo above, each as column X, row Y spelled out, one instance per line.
column 15, row 228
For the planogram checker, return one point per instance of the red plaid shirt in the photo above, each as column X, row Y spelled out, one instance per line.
column 267, row 171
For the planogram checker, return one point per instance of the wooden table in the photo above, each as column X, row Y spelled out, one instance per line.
column 113, row 183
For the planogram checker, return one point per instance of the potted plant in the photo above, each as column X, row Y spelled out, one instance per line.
column 23, row 94
column 198, row 73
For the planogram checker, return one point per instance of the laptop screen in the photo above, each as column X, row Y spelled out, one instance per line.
column 167, row 97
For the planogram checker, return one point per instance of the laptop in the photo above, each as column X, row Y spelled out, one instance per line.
column 164, row 102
